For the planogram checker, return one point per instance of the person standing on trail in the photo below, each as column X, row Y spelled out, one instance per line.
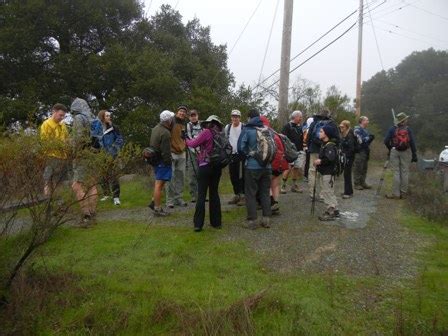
column 293, row 130
column 348, row 147
column 236, row 166
column 55, row 135
column 279, row 165
column 84, row 183
column 161, row 143
column 305, row 129
column 325, row 165
column 314, row 144
column 175, row 187
column 111, row 141
column 402, row 151
column 208, row 174
column 193, row 129
column 363, row 141
column 257, row 177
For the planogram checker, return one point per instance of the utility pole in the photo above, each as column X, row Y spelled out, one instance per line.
column 359, row 68
column 285, row 62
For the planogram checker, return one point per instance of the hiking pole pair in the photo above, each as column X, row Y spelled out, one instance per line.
column 313, row 201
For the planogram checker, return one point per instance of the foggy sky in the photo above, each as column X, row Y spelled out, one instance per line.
column 421, row 24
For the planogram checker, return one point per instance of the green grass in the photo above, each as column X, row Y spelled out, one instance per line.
column 130, row 278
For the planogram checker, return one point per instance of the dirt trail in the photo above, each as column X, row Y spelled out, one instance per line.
column 366, row 240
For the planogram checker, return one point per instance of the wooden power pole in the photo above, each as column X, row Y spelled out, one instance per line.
column 359, row 67
column 283, row 112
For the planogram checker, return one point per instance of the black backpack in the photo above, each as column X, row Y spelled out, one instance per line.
column 221, row 154
column 341, row 160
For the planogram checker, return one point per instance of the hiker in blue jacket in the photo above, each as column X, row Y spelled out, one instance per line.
column 257, row 177
column 111, row 141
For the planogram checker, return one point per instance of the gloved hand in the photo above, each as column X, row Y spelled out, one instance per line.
column 414, row 158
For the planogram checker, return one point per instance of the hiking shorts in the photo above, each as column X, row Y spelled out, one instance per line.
column 163, row 172
column 56, row 170
column 300, row 161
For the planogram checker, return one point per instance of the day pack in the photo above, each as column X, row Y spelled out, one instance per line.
column 221, row 153
column 152, row 156
column 401, row 140
column 316, row 130
column 341, row 160
column 290, row 151
column 265, row 151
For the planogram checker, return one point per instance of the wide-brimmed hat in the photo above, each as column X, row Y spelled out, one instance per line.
column 401, row 117
column 211, row 119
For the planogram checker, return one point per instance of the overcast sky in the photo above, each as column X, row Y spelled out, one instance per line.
column 421, row 24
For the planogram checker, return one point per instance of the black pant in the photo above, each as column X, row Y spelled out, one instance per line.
column 236, row 172
column 307, row 164
column 109, row 182
column 258, row 181
column 348, row 185
column 208, row 178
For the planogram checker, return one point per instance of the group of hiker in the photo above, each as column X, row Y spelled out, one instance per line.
column 260, row 161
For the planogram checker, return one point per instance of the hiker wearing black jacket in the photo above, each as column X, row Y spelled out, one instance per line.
column 325, row 165
column 293, row 130
column 314, row 143
column 360, row 165
column 348, row 147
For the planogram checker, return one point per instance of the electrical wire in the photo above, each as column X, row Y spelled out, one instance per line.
column 376, row 40
column 317, row 53
column 428, row 12
column 269, row 41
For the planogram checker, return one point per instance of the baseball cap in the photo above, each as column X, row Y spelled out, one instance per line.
column 235, row 113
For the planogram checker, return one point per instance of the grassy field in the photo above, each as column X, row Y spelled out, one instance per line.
column 131, row 278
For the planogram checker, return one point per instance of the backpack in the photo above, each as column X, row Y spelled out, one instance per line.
column 221, row 153
column 314, row 136
column 152, row 156
column 265, row 151
column 341, row 160
column 401, row 140
column 290, row 151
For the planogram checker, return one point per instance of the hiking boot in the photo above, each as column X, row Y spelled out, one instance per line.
column 327, row 216
column 85, row 222
column 265, row 222
column 181, row 203
column 344, row 196
column 283, row 189
column 117, row 201
column 393, row 197
column 275, row 207
column 235, row 199
column 251, row 224
column 366, row 186
column 242, row 201
column 197, row 229
column 170, row 205
column 151, row 205
column 160, row 213
column 358, row 187
column 295, row 189
column 104, row 198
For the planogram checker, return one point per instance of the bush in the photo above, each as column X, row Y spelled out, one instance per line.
column 427, row 197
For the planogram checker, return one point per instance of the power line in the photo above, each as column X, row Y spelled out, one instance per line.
column 429, row 12
column 317, row 53
column 268, row 42
column 245, row 26
column 376, row 40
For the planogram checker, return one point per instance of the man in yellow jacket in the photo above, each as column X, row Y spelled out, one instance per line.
column 54, row 133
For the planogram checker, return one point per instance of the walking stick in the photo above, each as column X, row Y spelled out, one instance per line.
column 313, row 201
column 192, row 162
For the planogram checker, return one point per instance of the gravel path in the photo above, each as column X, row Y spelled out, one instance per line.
column 366, row 240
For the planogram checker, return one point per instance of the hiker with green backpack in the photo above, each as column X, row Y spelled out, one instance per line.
column 257, row 144
column 402, row 151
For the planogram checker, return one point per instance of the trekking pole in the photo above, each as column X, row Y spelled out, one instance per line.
column 313, row 201
column 191, row 161
column 383, row 174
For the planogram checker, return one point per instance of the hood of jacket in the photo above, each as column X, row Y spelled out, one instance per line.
column 255, row 122
column 80, row 106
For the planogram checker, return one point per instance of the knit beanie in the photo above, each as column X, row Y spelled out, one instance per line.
column 331, row 131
